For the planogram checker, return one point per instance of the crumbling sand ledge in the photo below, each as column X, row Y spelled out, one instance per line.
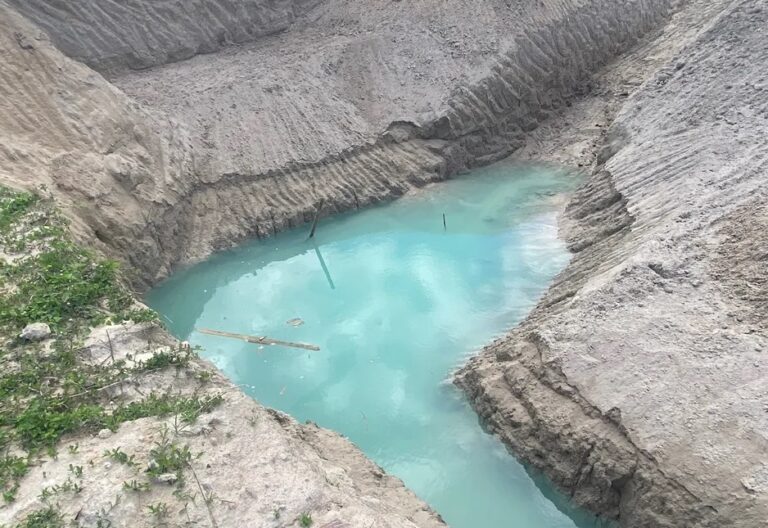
column 639, row 382
column 636, row 384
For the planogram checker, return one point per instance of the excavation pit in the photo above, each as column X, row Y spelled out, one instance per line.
column 396, row 297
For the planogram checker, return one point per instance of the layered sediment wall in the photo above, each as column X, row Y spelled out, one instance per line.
column 247, row 141
column 353, row 103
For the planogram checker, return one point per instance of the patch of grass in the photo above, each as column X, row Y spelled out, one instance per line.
column 204, row 376
column 176, row 358
column 45, row 420
column 140, row 315
column 305, row 520
column 189, row 408
column 56, row 281
column 49, row 517
column 68, row 485
column 42, row 421
column 63, row 286
column 47, row 392
column 13, row 205
column 12, row 468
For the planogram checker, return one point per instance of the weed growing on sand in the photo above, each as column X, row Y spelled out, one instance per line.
column 121, row 457
column 46, row 390
column 49, row 517
column 135, row 485
column 168, row 457
column 158, row 510
column 54, row 280
column 173, row 358
column 305, row 520
column 77, row 471
column 12, row 468
column 67, row 486
column 14, row 205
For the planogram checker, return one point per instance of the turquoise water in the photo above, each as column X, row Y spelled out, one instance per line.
column 396, row 301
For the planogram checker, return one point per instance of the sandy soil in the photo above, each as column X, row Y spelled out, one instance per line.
column 637, row 384
column 251, row 467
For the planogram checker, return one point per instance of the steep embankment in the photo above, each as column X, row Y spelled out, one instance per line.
column 639, row 381
column 342, row 107
column 360, row 101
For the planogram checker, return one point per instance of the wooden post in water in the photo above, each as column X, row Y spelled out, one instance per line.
column 445, row 226
column 317, row 217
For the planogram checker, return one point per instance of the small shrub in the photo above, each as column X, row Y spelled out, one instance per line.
column 168, row 457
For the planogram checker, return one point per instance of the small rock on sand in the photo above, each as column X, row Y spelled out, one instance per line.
column 35, row 332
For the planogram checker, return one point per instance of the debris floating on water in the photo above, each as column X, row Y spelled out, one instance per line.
column 259, row 340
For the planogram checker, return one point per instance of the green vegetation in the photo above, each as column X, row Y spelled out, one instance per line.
column 168, row 457
column 68, row 485
column 48, row 392
column 14, row 205
column 49, row 517
column 12, row 468
column 305, row 520
column 61, row 286
column 158, row 510
column 55, row 281
column 120, row 457
column 135, row 485
column 77, row 471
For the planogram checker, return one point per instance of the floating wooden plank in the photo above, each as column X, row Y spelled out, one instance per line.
column 258, row 340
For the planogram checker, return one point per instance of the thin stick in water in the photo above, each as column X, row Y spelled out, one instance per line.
column 317, row 217
column 258, row 340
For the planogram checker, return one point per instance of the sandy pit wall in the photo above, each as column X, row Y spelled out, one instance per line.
column 158, row 182
column 638, row 383
column 245, row 142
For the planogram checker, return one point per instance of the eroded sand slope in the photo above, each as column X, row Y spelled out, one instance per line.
column 639, row 383
column 354, row 104
column 258, row 467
